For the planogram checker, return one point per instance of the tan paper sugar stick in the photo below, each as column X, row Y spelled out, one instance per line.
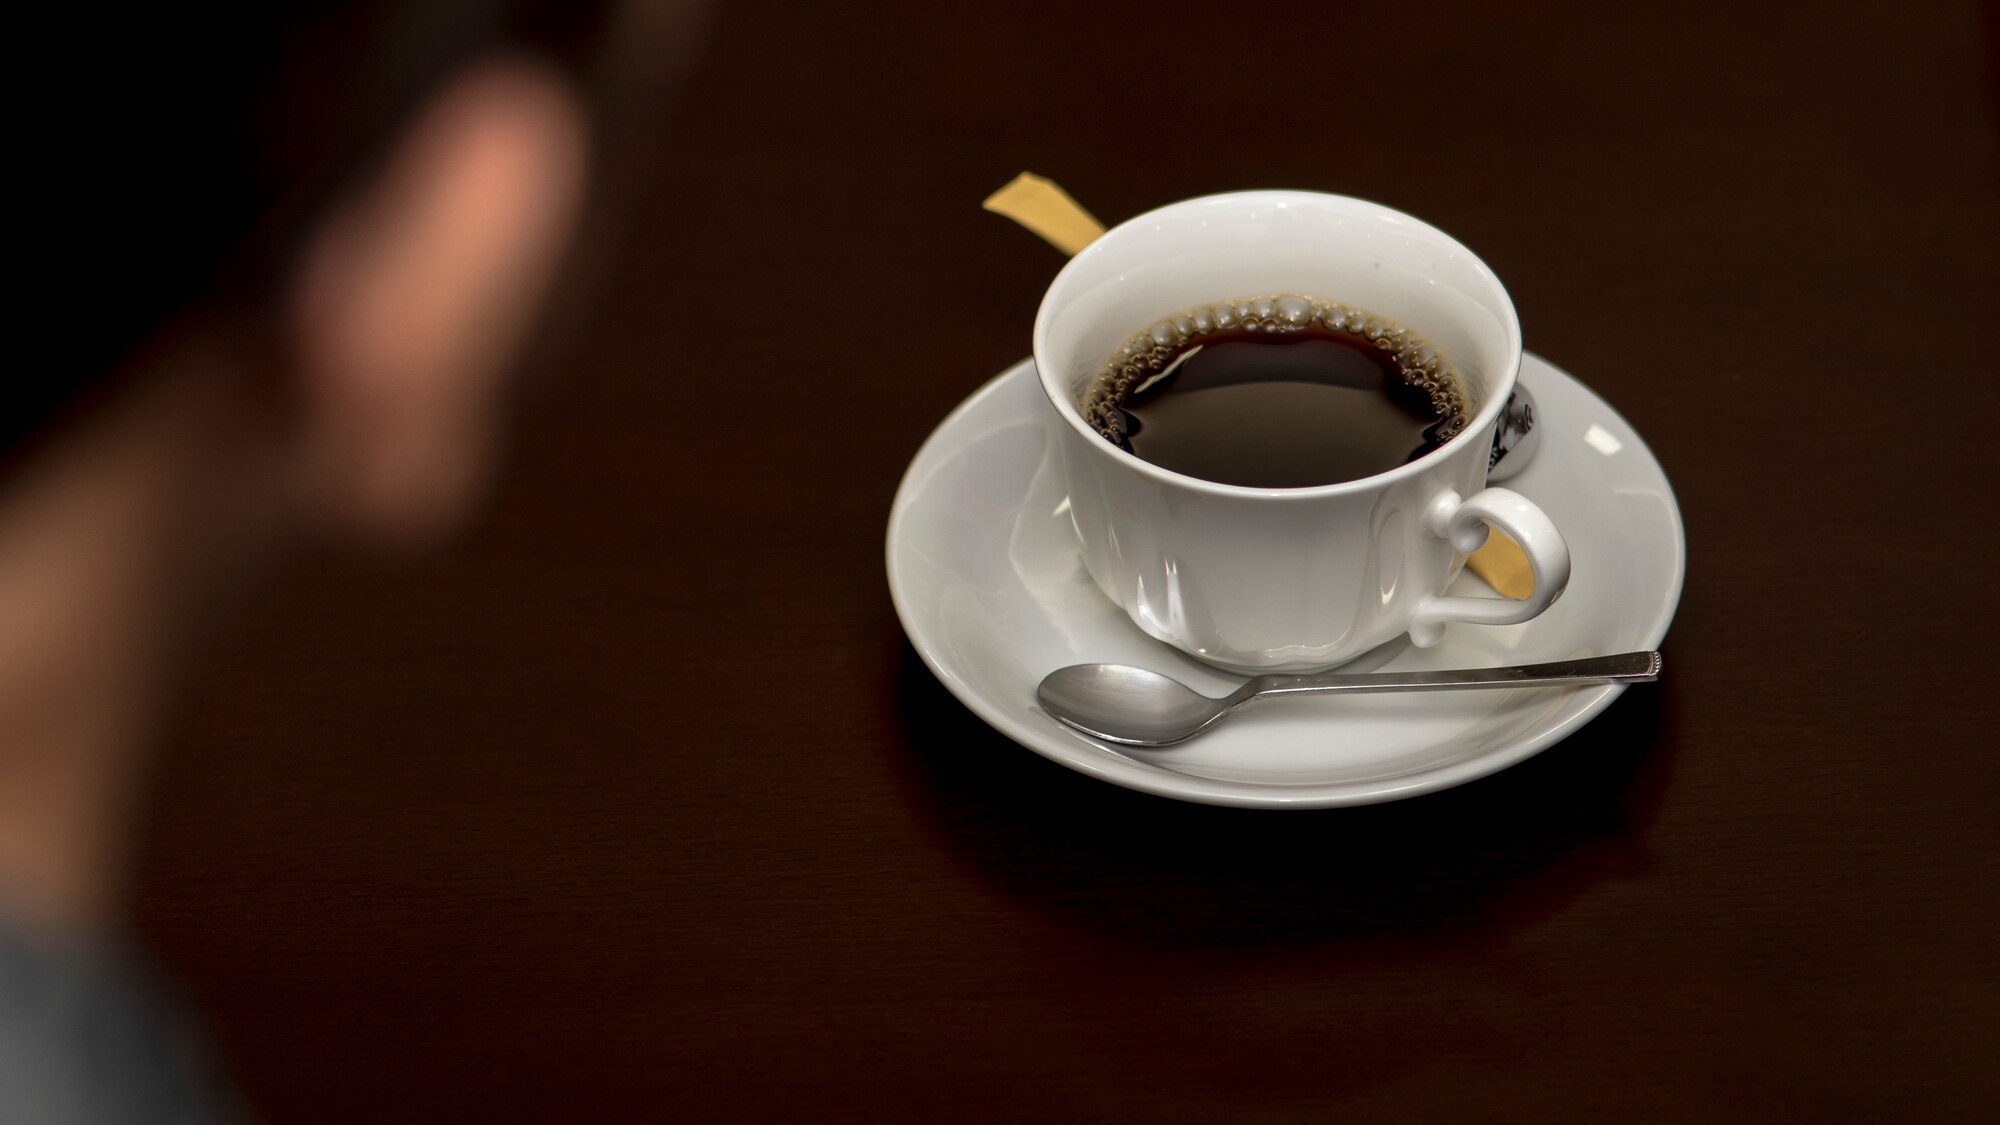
column 1047, row 210
column 1503, row 565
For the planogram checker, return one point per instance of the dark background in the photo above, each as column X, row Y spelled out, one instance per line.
column 511, row 836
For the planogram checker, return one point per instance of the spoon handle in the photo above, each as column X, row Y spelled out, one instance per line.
column 1624, row 668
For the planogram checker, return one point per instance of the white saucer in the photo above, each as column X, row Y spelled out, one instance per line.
column 986, row 577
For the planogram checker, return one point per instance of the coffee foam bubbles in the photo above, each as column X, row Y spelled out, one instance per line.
column 1153, row 350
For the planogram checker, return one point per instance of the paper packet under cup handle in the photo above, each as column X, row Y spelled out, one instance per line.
column 1464, row 522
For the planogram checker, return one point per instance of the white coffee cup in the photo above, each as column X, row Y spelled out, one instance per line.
column 1290, row 579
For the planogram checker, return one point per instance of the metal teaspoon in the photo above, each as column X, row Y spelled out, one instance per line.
column 1137, row 707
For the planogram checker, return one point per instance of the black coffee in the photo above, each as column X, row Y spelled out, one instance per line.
column 1277, row 392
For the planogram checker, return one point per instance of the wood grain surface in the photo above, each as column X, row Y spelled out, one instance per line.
column 515, row 836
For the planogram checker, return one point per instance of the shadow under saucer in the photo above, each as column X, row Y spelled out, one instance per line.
column 1498, row 851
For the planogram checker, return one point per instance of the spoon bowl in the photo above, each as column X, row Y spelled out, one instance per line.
column 1121, row 703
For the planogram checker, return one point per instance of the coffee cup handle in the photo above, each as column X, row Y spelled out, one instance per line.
column 1464, row 522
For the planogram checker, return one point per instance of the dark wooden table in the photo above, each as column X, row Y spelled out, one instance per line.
column 501, row 838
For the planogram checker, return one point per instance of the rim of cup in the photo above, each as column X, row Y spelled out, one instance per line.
column 1495, row 398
